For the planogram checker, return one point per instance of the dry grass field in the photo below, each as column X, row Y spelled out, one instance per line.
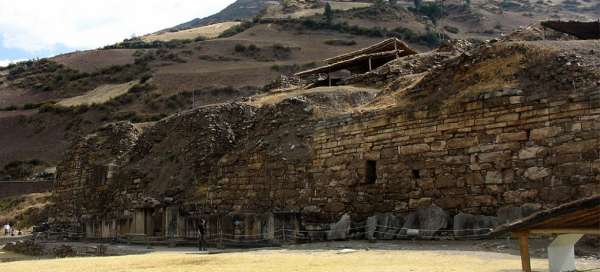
column 286, row 260
column 99, row 95
column 208, row 32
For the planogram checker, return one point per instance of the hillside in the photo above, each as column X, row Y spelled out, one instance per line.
column 46, row 104
column 240, row 10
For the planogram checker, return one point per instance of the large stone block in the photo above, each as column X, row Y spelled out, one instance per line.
column 383, row 226
column 511, row 137
column 494, row 156
column 468, row 225
column 457, row 143
column 341, row 229
column 544, row 133
column 508, row 214
column 428, row 220
column 494, row 177
column 532, row 152
column 537, row 173
column 413, row 149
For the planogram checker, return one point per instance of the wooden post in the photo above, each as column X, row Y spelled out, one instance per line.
column 329, row 77
column 370, row 65
column 524, row 248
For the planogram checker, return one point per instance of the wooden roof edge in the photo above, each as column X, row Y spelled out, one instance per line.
column 357, row 58
column 361, row 51
column 526, row 223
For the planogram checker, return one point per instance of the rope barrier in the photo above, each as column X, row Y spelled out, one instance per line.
column 284, row 234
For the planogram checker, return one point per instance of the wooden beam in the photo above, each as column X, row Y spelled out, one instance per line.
column 524, row 248
column 592, row 231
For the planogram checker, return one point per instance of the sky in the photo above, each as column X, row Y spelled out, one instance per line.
column 43, row 28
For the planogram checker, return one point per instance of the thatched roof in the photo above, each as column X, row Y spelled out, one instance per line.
column 582, row 214
column 582, row 30
column 383, row 46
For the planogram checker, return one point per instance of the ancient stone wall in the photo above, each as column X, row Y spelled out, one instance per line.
column 503, row 149
column 285, row 167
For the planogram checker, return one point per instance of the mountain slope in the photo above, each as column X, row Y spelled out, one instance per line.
column 240, row 10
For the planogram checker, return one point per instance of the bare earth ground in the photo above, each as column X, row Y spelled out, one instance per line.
column 422, row 256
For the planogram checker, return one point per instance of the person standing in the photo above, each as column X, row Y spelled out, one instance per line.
column 201, row 231
column 6, row 229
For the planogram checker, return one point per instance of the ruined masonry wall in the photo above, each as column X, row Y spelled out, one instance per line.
column 478, row 156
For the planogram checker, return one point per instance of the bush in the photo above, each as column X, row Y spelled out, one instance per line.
column 145, row 78
column 432, row 10
column 240, row 48
column 431, row 38
column 10, row 108
column 452, row 29
column 141, row 88
column 253, row 48
column 30, row 106
column 340, row 42
column 236, row 29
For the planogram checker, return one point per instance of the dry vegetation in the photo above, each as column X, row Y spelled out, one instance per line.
column 99, row 95
column 207, row 32
column 26, row 210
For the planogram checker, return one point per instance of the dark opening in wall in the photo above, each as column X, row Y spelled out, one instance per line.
column 98, row 174
column 416, row 174
column 371, row 172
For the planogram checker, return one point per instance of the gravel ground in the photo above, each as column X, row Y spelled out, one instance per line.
column 425, row 256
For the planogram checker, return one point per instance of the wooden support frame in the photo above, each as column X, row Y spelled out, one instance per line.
column 524, row 248
column 566, row 231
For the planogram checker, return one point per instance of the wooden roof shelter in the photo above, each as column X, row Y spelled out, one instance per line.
column 365, row 59
column 581, row 30
column 574, row 218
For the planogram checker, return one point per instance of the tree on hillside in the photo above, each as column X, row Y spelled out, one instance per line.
column 418, row 4
column 328, row 13
column 393, row 2
column 467, row 3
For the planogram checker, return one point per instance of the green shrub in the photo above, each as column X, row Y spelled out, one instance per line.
column 234, row 30
column 30, row 106
column 253, row 48
column 141, row 88
column 145, row 78
column 240, row 48
column 10, row 108
column 452, row 29
column 340, row 42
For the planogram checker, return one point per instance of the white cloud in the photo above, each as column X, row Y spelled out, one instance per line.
column 34, row 25
column 4, row 63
